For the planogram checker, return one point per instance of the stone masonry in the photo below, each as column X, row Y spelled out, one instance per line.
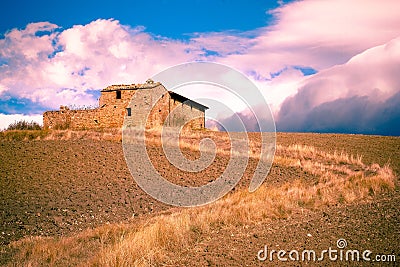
column 164, row 108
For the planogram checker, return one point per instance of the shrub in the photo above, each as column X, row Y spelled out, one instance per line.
column 24, row 125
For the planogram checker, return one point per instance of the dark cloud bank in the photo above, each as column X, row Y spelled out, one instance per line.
column 356, row 115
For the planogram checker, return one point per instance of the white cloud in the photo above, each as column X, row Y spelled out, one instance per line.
column 371, row 73
column 6, row 120
column 25, row 45
column 275, row 91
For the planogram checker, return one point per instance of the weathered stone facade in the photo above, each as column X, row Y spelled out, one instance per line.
column 164, row 108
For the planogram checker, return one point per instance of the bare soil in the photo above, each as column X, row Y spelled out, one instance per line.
column 60, row 187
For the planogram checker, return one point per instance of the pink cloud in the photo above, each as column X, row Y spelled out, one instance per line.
column 90, row 57
column 371, row 73
column 319, row 34
column 24, row 44
column 364, row 92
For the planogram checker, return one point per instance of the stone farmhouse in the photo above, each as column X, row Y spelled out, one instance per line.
column 115, row 105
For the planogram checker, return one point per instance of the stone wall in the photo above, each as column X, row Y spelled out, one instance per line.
column 182, row 112
column 141, row 106
column 74, row 119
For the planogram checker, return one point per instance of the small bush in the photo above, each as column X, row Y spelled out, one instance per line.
column 24, row 125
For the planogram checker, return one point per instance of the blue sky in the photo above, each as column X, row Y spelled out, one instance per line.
column 174, row 19
column 311, row 60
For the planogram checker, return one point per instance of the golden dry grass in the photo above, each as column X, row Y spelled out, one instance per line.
column 23, row 135
column 339, row 178
column 99, row 134
column 110, row 134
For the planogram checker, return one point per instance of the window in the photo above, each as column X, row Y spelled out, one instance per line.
column 118, row 94
column 129, row 111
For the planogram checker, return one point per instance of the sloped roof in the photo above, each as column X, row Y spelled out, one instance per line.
column 187, row 101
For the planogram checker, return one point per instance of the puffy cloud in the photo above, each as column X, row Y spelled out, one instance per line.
column 31, row 43
column 354, row 97
column 276, row 90
column 52, row 66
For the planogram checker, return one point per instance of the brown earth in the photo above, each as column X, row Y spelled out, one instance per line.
column 60, row 187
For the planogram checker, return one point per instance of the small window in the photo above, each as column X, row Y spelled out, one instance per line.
column 129, row 111
column 118, row 94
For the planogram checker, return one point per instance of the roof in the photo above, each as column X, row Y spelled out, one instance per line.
column 187, row 101
column 149, row 84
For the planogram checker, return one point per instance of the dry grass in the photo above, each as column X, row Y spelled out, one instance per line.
column 110, row 134
column 339, row 178
column 65, row 251
column 23, row 135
